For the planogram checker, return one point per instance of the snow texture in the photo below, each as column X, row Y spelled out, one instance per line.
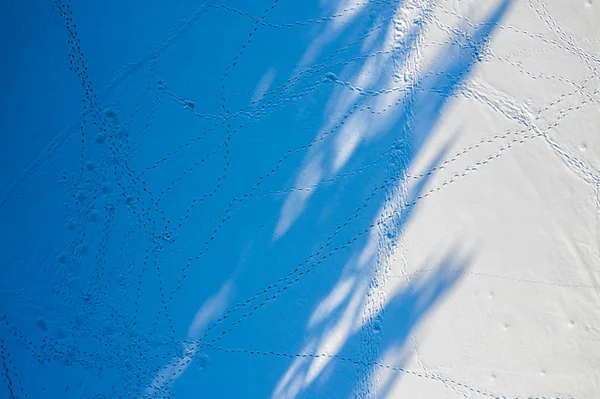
column 300, row 199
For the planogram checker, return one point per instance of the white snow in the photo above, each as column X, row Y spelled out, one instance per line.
column 345, row 199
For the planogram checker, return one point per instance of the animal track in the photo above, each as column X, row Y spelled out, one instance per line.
column 138, row 226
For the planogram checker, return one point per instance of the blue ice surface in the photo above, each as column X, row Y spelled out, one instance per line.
column 143, row 187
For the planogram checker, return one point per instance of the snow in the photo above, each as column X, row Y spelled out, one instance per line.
column 320, row 199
